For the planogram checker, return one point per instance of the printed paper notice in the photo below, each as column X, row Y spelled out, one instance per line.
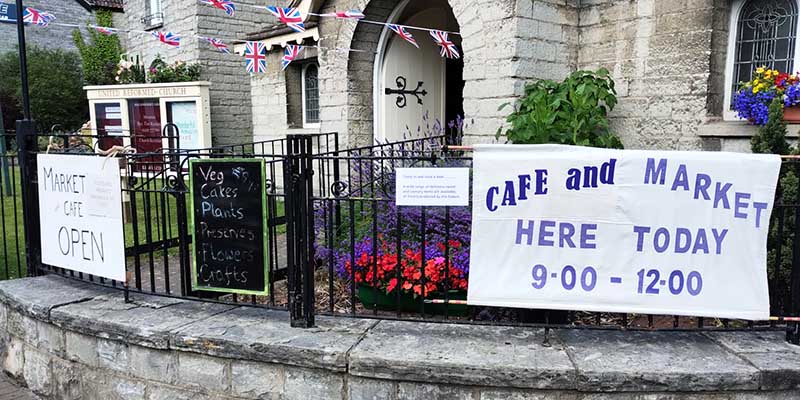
column 432, row 187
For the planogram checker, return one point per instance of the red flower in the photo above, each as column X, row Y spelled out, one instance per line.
column 429, row 279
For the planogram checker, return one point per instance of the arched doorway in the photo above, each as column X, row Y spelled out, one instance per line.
column 416, row 90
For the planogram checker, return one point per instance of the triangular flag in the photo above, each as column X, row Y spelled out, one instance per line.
column 289, row 16
column 292, row 51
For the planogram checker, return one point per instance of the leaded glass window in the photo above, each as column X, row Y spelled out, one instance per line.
column 311, row 94
column 765, row 36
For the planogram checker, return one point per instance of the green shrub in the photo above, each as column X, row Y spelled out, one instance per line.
column 101, row 55
column 55, row 88
column 574, row 111
column 771, row 139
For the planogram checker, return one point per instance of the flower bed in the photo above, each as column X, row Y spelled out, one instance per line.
column 395, row 256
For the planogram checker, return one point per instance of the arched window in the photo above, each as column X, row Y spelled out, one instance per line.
column 763, row 33
column 310, row 95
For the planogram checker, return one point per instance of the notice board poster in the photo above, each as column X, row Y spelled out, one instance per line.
column 229, row 217
column 80, row 208
column 184, row 115
column 145, row 117
column 632, row 231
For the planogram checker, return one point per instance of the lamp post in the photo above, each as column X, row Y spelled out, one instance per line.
column 26, row 145
column 23, row 64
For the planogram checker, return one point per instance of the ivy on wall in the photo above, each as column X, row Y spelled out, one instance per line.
column 100, row 56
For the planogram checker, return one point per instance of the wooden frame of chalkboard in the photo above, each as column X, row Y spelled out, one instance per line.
column 264, row 217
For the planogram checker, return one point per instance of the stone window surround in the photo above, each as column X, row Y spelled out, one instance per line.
column 306, row 124
column 735, row 10
column 155, row 15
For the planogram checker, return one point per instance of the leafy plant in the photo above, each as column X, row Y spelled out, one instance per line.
column 99, row 57
column 771, row 139
column 574, row 111
column 179, row 71
column 55, row 88
column 130, row 70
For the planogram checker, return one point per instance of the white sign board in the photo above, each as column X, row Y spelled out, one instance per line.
column 573, row 228
column 80, row 210
column 432, row 186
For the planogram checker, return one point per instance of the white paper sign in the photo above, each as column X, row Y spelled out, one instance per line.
column 80, row 211
column 661, row 232
column 432, row 186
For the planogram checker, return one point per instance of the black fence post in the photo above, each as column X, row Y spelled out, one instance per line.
column 27, row 146
column 298, row 173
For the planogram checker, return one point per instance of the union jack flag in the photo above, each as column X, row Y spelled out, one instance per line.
column 292, row 51
column 36, row 17
column 224, row 5
column 446, row 47
column 168, row 38
column 105, row 30
column 349, row 14
column 403, row 33
column 289, row 16
column 255, row 55
column 218, row 44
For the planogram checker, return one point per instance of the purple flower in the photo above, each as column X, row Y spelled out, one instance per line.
column 792, row 96
column 753, row 107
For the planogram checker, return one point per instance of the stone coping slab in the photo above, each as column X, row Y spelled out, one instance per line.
column 462, row 354
column 478, row 355
column 265, row 335
column 655, row 361
column 146, row 323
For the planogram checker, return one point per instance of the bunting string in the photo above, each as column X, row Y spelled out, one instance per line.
column 254, row 51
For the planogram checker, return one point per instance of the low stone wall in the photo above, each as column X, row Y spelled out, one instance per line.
column 69, row 340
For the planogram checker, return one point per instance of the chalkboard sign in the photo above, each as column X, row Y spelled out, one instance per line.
column 229, row 217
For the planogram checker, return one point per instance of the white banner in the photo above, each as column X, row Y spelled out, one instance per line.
column 80, row 212
column 660, row 232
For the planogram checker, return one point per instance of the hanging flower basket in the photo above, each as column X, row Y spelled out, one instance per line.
column 752, row 100
column 792, row 114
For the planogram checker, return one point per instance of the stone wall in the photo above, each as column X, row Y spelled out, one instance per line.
column 659, row 54
column 271, row 92
column 528, row 40
column 231, row 104
column 505, row 43
column 52, row 36
column 70, row 340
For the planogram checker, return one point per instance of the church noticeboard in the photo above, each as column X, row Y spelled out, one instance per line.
column 229, row 216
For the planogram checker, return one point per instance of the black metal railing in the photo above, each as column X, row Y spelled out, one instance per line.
column 13, row 263
column 375, row 259
column 337, row 243
column 156, row 209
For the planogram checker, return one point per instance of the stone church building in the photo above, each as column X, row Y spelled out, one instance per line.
column 675, row 64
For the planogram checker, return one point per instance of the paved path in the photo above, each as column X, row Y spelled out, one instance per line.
column 11, row 391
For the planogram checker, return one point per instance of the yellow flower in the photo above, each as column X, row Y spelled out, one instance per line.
column 755, row 81
column 760, row 70
column 755, row 89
